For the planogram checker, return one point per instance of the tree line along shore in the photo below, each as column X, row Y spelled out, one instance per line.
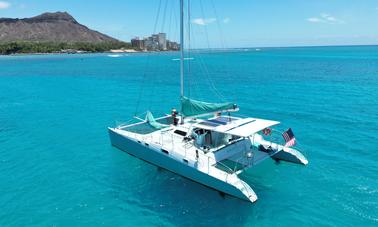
column 27, row 47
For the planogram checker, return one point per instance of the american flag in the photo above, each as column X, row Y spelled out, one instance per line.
column 288, row 135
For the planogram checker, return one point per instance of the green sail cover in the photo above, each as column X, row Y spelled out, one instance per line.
column 190, row 107
column 151, row 121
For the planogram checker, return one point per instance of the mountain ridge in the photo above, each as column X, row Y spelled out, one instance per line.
column 49, row 27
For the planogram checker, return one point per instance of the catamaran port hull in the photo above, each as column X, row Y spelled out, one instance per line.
column 290, row 155
column 156, row 157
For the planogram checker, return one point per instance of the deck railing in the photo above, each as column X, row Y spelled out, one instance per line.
column 187, row 147
column 209, row 159
column 170, row 138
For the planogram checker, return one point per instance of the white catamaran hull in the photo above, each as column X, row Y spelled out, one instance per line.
column 154, row 156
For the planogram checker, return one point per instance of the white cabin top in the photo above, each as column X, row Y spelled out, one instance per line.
column 242, row 127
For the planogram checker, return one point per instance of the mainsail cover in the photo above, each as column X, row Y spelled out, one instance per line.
column 151, row 121
column 191, row 107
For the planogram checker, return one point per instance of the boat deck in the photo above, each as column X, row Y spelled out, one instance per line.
column 166, row 141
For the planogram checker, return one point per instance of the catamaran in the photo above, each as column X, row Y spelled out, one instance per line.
column 205, row 142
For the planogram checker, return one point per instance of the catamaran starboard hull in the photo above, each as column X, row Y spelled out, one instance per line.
column 153, row 155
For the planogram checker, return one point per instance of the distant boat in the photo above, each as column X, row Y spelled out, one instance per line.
column 204, row 143
column 185, row 59
column 257, row 49
column 114, row 55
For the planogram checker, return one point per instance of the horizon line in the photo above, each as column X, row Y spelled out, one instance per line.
column 294, row 46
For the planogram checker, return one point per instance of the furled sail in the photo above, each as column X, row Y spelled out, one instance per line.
column 151, row 121
column 191, row 107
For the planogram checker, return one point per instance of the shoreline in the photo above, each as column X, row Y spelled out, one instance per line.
column 131, row 51
column 87, row 52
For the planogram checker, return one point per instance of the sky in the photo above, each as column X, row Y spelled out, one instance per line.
column 221, row 23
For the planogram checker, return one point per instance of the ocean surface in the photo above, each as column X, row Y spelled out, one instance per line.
column 57, row 167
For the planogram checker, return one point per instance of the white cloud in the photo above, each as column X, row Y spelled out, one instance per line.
column 203, row 21
column 314, row 20
column 226, row 20
column 326, row 19
column 4, row 5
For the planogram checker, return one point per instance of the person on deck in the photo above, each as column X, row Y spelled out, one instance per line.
column 174, row 117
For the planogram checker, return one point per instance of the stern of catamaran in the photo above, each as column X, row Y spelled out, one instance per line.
column 241, row 143
column 272, row 142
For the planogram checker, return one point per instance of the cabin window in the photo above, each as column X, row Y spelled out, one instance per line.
column 179, row 132
column 164, row 151
column 185, row 161
column 147, row 144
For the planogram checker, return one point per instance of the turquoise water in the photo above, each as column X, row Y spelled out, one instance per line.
column 57, row 167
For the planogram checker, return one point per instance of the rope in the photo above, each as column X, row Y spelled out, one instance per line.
column 212, row 86
column 164, row 15
column 155, row 77
column 188, row 54
column 147, row 65
column 223, row 45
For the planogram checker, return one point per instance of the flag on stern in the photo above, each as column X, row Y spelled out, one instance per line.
column 289, row 138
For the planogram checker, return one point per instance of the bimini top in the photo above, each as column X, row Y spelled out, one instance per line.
column 242, row 127
column 191, row 107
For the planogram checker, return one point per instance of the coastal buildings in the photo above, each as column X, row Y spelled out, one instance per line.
column 137, row 43
column 156, row 42
column 173, row 45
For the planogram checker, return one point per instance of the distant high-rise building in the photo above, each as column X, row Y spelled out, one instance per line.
column 155, row 37
column 137, row 43
column 172, row 45
column 162, row 39
column 151, row 43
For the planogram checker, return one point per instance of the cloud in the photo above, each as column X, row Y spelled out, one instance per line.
column 203, row 21
column 4, row 5
column 226, row 20
column 326, row 19
column 314, row 20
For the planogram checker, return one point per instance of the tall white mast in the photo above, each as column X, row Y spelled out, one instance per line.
column 182, row 46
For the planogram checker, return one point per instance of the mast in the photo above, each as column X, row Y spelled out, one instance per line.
column 182, row 47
